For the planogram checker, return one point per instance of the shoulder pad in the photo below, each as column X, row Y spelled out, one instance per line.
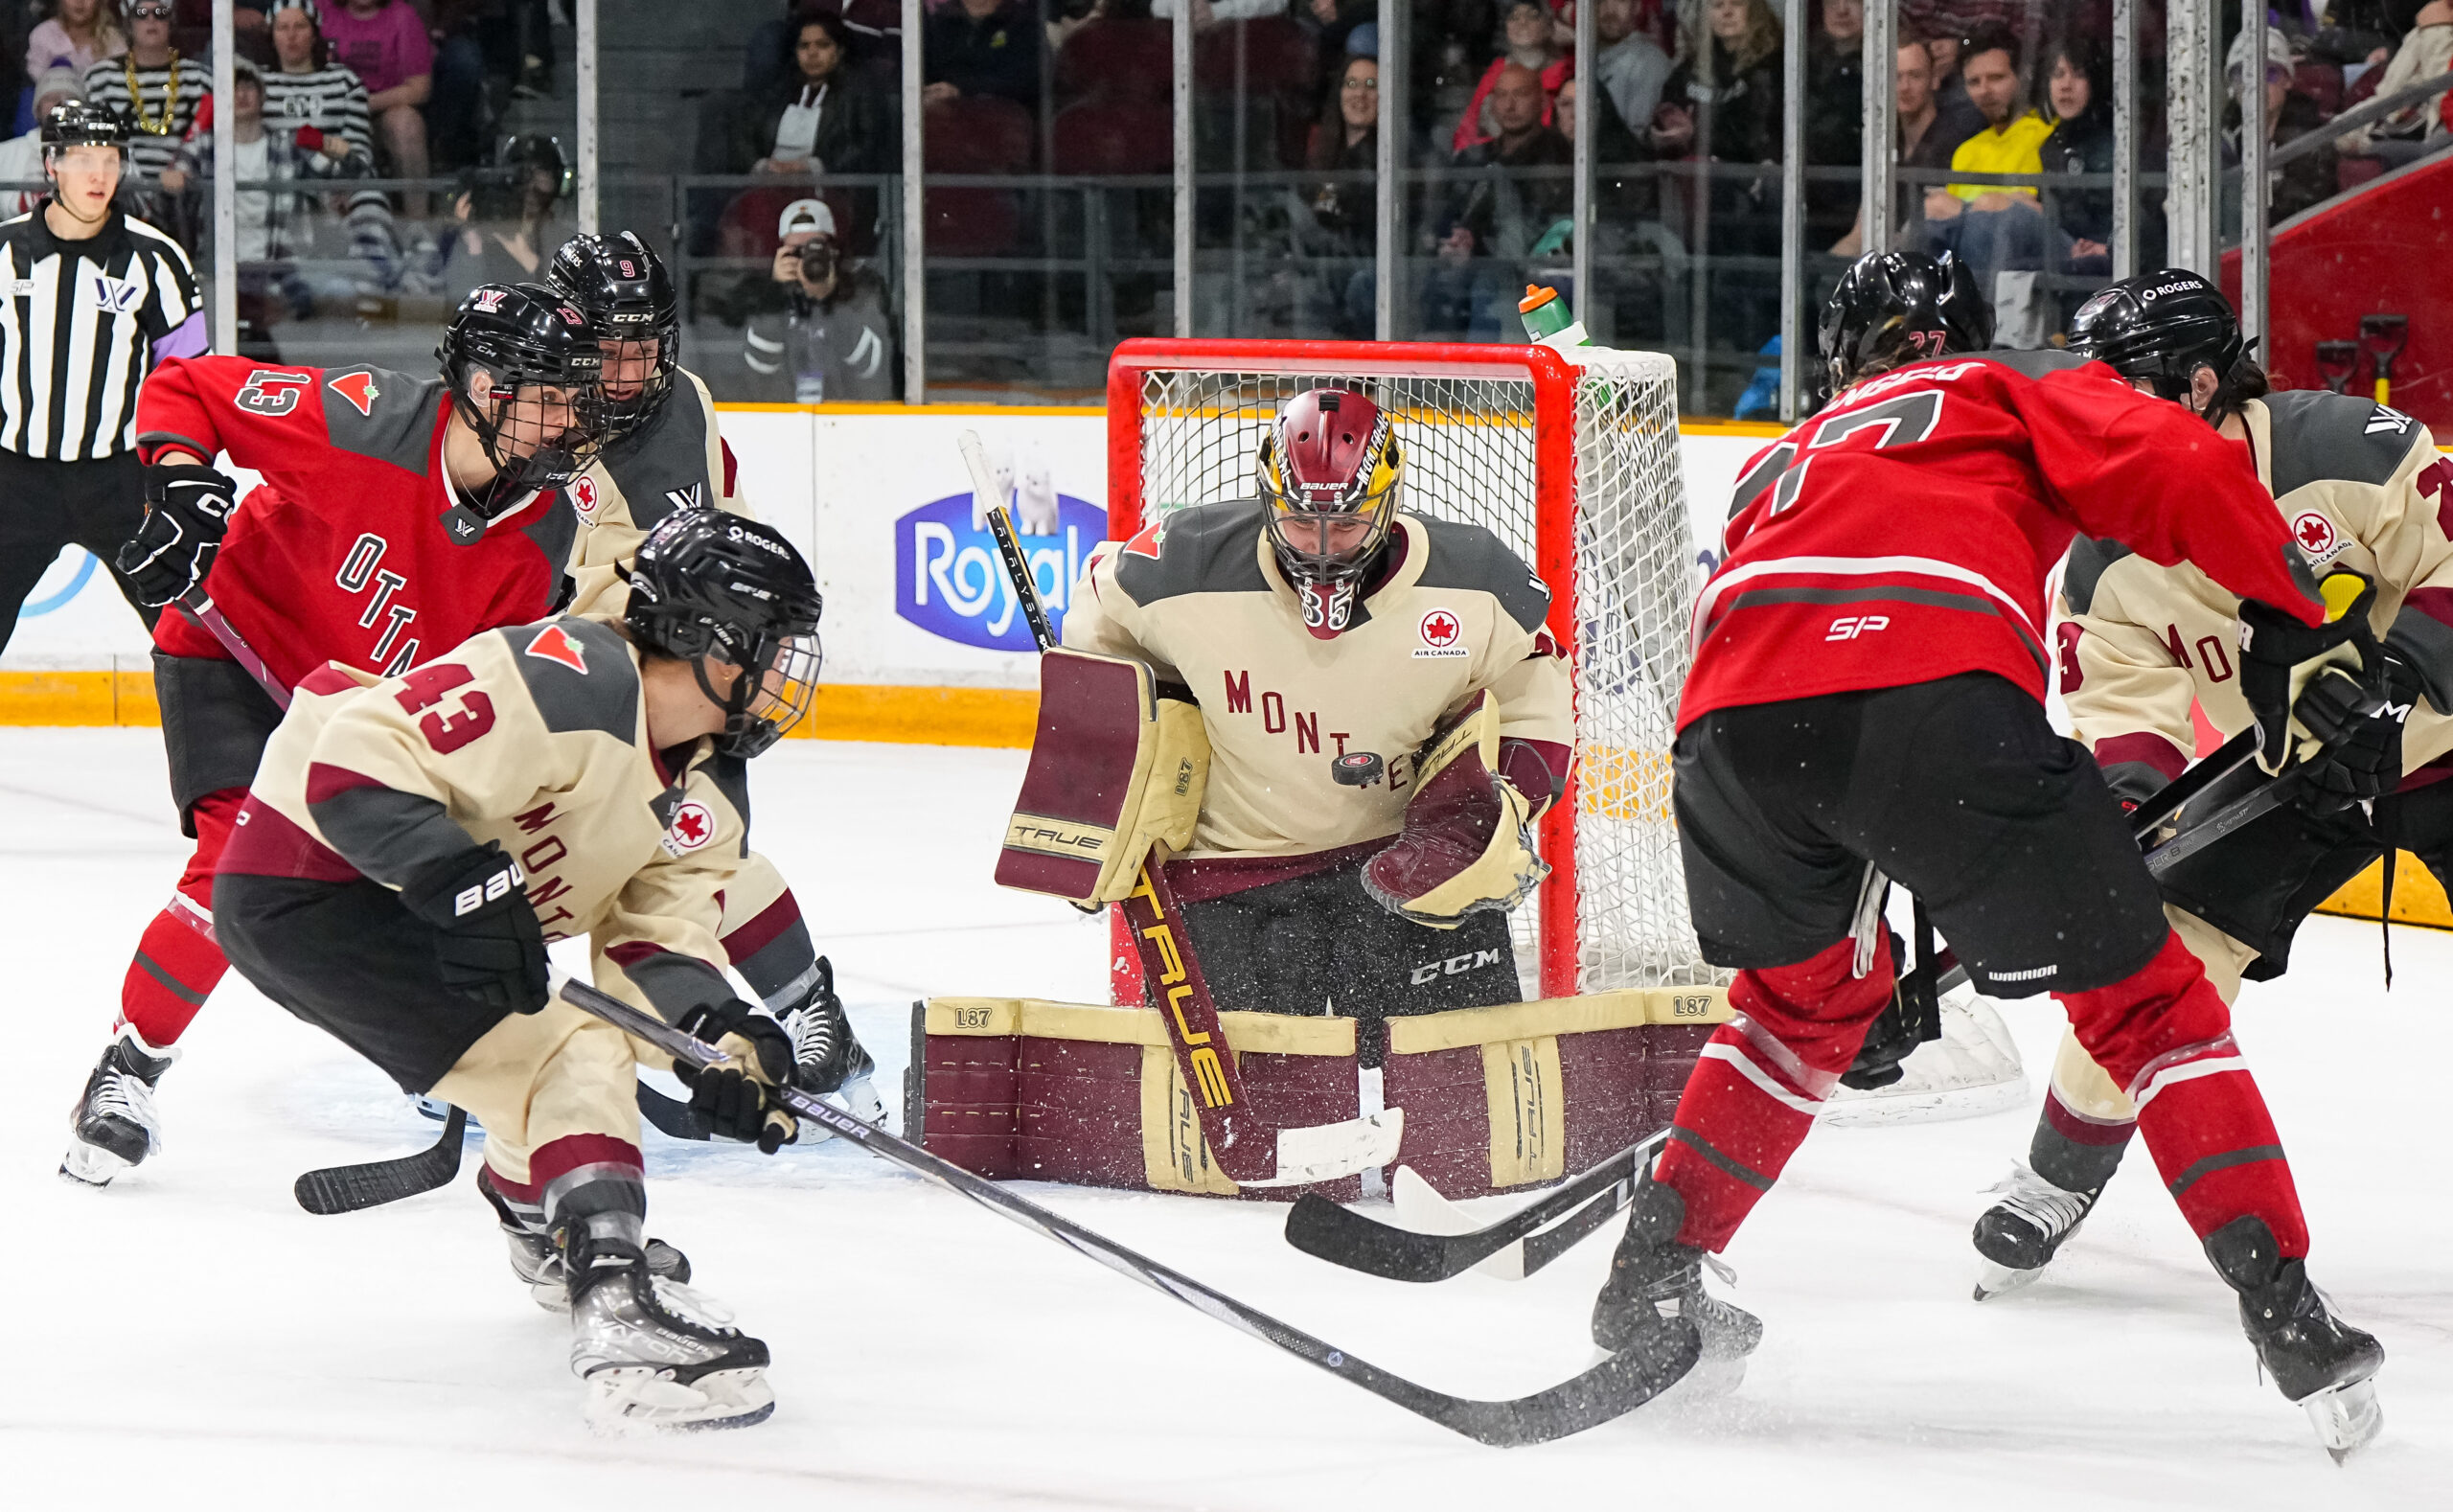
column 2088, row 559
column 2325, row 437
column 663, row 466
column 579, row 676
column 1471, row 556
column 1209, row 548
column 380, row 414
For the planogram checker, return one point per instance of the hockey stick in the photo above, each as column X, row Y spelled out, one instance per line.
column 1322, row 1229
column 201, row 609
column 1237, row 1141
column 350, row 1188
column 1617, row 1385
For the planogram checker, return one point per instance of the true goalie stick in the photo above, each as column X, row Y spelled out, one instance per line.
column 1243, row 1147
column 1612, row 1389
column 350, row 1188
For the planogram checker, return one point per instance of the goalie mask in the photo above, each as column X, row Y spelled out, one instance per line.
column 629, row 299
column 539, row 410
column 1329, row 475
column 711, row 584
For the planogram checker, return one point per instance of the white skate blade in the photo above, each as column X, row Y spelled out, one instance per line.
column 860, row 1098
column 637, row 1401
column 2346, row 1418
column 1326, row 1152
column 2000, row 1280
column 90, row 1164
column 1421, row 1208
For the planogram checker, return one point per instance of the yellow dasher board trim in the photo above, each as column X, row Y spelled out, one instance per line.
column 2418, row 897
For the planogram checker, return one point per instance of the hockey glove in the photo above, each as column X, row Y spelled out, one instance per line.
column 2362, row 760
column 487, row 946
column 1467, row 844
column 733, row 1098
column 1912, row 1017
column 187, row 512
column 2279, row 657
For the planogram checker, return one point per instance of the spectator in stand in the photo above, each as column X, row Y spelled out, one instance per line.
column 1926, row 140
column 1724, row 100
column 459, row 116
column 825, row 335
column 2411, row 133
column 1346, row 142
column 155, row 90
column 1333, row 21
column 2012, row 137
column 1950, row 86
column 1835, row 115
column 79, row 34
column 385, row 44
column 981, row 47
column 1498, row 220
column 874, row 28
column 1532, row 46
column 1629, row 65
column 2075, row 88
column 819, row 117
column 511, row 216
column 21, row 156
column 2303, row 182
column 307, row 89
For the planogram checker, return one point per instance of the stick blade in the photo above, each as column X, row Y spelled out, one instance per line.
column 1327, row 1152
column 353, row 1188
column 1611, row 1389
column 1325, row 1231
column 1421, row 1207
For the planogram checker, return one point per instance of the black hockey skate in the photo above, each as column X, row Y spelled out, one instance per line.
column 657, row 1356
column 2018, row 1236
column 2319, row 1360
column 827, row 1056
column 114, row 1126
column 1656, row 1287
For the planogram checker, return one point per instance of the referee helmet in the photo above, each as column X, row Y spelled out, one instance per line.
column 80, row 122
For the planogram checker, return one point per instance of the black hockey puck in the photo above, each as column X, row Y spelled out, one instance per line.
column 1358, row 768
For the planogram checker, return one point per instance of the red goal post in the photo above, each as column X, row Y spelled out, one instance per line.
column 1572, row 460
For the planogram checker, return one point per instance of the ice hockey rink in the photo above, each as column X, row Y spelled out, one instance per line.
column 191, row 1339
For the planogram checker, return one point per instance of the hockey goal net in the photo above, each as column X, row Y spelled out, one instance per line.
column 1574, row 461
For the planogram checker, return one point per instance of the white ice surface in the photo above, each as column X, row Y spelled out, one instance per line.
column 191, row 1339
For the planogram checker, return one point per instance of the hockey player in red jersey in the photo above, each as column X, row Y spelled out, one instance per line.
column 1867, row 705
column 398, row 516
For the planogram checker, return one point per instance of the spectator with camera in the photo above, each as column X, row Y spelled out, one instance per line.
column 511, row 215
column 826, row 337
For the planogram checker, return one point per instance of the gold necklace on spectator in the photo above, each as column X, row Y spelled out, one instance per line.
column 169, row 98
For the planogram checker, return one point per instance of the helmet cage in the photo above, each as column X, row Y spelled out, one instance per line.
column 1301, row 517
column 629, row 298
column 528, row 459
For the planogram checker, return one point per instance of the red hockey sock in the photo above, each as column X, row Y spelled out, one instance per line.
column 175, row 967
column 2164, row 1034
column 1760, row 1080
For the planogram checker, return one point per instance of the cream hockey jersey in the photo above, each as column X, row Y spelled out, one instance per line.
column 678, row 459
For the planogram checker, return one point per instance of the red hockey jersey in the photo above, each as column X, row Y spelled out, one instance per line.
column 343, row 554
column 1905, row 532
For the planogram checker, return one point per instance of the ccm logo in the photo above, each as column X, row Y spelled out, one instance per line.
column 1848, row 627
column 1454, row 966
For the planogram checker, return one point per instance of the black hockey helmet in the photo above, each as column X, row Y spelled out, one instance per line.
column 80, row 123
column 525, row 336
column 623, row 288
column 1894, row 307
column 2162, row 327
column 707, row 583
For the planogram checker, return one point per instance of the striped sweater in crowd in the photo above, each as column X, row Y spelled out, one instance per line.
column 80, row 325
column 332, row 100
column 158, row 118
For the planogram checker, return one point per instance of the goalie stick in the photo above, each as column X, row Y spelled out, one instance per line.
column 1240, row 1143
column 350, row 1188
column 1612, row 1389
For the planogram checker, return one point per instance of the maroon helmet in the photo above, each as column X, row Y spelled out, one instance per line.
column 1329, row 470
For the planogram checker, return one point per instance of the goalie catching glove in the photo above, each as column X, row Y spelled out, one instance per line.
column 1468, row 842
column 187, row 512
column 733, row 1098
column 2316, row 691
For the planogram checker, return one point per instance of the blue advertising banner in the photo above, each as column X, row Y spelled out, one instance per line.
column 948, row 580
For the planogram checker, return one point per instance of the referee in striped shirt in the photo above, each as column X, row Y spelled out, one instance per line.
column 90, row 300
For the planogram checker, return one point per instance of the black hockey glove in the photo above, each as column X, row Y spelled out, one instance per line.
column 1913, row 1017
column 489, row 947
column 2276, row 652
column 187, row 512
column 735, row 1101
column 2363, row 734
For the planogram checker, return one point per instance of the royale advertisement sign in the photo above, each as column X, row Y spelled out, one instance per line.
column 949, row 581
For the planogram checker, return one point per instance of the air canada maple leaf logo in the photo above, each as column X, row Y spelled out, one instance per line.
column 692, row 827
column 359, row 388
column 555, row 644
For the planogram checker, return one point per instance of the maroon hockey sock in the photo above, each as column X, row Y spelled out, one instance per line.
column 1760, row 1080
column 2164, row 1034
column 588, row 1177
column 175, row 967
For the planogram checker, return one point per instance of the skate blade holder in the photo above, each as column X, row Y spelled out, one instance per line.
column 2346, row 1418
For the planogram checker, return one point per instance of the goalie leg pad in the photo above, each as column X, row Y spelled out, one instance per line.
column 1467, row 845
column 1114, row 769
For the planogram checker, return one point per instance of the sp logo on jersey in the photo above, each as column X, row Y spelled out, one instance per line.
column 1441, row 632
column 118, row 295
column 359, row 388
column 692, row 827
column 584, row 498
column 2317, row 539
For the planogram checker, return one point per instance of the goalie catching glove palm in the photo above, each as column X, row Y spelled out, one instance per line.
column 734, row 1098
column 1468, row 842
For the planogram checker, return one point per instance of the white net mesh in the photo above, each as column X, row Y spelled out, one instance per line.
column 1469, row 456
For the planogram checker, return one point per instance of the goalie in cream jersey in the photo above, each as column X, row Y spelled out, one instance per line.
column 1384, row 717
column 2363, row 488
column 666, row 452
column 412, row 843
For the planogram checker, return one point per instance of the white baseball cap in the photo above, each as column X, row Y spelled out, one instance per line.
column 806, row 214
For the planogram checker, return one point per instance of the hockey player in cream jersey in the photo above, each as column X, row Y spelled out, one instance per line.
column 412, row 843
column 666, row 453
column 1321, row 620
column 2364, row 489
